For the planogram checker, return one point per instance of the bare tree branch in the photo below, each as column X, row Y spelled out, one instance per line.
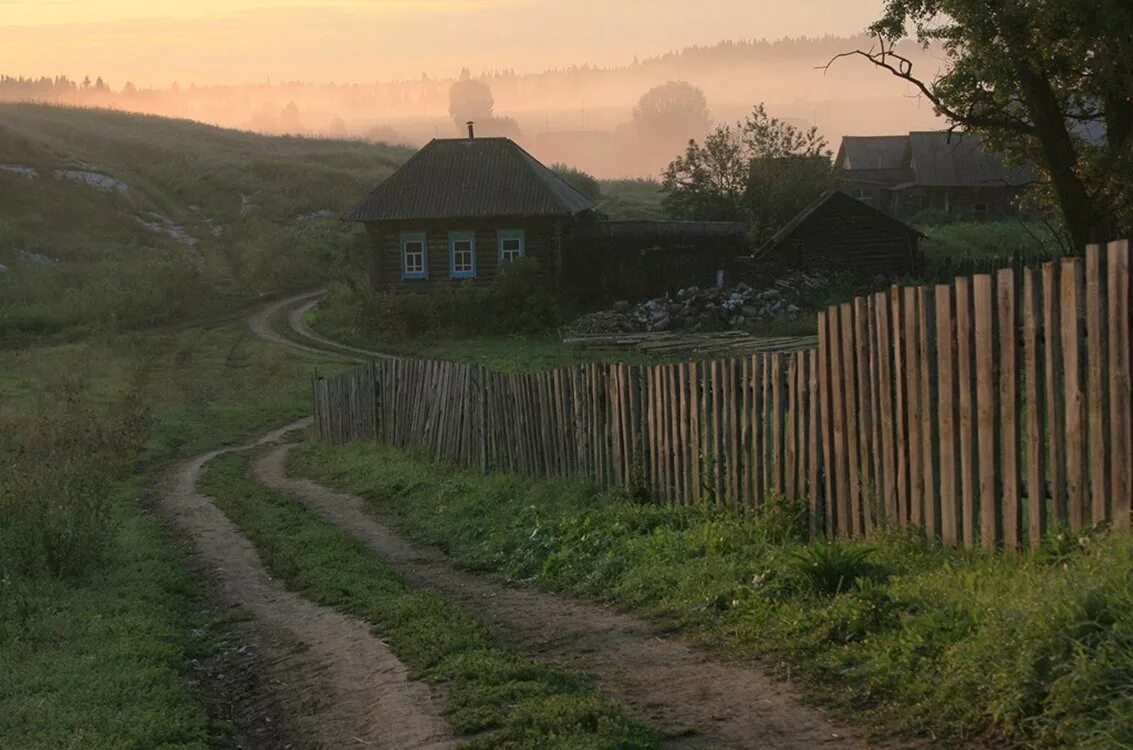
column 886, row 58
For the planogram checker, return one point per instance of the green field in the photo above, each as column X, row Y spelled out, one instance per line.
column 81, row 260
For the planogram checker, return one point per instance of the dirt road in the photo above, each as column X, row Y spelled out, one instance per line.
column 339, row 684
column 663, row 681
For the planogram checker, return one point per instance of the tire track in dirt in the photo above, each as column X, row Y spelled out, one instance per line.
column 663, row 681
column 343, row 685
column 259, row 323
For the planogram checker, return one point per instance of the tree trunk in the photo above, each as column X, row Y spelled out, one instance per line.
column 1078, row 210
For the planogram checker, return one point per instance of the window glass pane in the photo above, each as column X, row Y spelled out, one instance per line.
column 463, row 256
column 414, row 251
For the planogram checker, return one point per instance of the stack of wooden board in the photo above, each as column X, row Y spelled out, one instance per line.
column 722, row 342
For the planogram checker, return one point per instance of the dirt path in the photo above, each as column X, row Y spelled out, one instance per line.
column 343, row 686
column 297, row 320
column 259, row 323
column 663, row 681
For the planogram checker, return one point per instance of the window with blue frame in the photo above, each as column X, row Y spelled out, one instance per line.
column 513, row 244
column 414, row 256
column 462, row 255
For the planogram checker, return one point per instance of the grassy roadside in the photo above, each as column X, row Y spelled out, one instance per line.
column 513, row 701
column 96, row 604
column 905, row 635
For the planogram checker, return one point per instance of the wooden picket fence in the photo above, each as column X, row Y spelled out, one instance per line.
column 986, row 412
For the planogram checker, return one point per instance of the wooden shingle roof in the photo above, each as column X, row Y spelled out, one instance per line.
column 470, row 178
column 859, row 152
column 942, row 159
column 832, row 203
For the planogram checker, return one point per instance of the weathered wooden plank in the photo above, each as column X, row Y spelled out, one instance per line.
column 790, row 484
column 900, row 409
column 758, row 420
column 965, row 384
column 850, row 408
column 914, row 404
column 841, row 496
column 1097, row 386
column 1055, row 410
column 946, row 414
column 867, row 487
column 1120, row 397
column 877, row 502
column 671, row 469
column 814, row 442
column 718, row 431
column 734, row 480
column 695, row 435
column 926, row 333
column 1033, row 391
column 986, row 408
column 1070, row 282
column 825, row 424
column 887, row 482
column 1010, row 375
column 746, row 464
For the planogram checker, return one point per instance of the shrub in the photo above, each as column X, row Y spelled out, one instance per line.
column 584, row 183
column 831, row 569
column 516, row 302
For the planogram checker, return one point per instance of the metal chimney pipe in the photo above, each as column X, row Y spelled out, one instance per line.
column 471, row 130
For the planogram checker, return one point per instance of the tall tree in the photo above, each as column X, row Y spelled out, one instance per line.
column 762, row 171
column 674, row 110
column 1045, row 81
column 470, row 100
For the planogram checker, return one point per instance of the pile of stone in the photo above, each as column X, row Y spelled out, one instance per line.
column 710, row 308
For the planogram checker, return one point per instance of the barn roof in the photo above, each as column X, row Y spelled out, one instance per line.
column 834, row 199
column 470, row 178
column 943, row 159
column 872, row 152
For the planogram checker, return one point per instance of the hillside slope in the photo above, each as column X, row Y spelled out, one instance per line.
column 119, row 220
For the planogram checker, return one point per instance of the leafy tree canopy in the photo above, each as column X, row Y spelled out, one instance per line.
column 1049, row 82
column 470, row 99
column 761, row 171
column 583, row 182
column 672, row 110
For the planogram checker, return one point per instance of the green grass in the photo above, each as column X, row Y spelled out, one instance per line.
column 97, row 660
column 340, row 318
column 517, row 702
column 632, row 199
column 901, row 634
column 239, row 194
column 1002, row 239
column 95, row 602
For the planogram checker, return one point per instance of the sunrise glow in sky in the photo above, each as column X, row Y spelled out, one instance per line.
column 153, row 42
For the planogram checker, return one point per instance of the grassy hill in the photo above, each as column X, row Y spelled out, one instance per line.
column 124, row 220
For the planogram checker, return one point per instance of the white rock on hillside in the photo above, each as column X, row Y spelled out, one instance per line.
column 165, row 225
column 3, row 268
column 28, row 173
column 323, row 214
column 28, row 259
column 100, row 182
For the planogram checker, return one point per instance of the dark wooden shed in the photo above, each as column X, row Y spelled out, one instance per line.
column 646, row 257
column 839, row 233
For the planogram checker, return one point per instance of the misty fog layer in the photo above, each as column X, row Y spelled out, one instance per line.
column 583, row 116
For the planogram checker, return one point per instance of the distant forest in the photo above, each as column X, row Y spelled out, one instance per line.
column 571, row 114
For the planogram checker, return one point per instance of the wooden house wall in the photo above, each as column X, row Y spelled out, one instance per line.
column 857, row 243
column 956, row 202
column 385, row 237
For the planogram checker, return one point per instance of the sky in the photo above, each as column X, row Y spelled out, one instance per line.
column 155, row 42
